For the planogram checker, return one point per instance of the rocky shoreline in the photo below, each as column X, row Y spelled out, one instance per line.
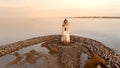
column 111, row 58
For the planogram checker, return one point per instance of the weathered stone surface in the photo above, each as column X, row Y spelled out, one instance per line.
column 70, row 56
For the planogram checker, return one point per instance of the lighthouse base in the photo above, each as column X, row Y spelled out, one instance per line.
column 65, row 39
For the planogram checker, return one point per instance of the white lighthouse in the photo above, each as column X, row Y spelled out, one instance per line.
column 65, row 32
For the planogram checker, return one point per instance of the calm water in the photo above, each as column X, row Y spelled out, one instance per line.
column 106, row 31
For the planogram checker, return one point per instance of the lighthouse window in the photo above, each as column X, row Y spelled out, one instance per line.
column 65, row 29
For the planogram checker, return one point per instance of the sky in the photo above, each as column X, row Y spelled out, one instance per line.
column 58, row 8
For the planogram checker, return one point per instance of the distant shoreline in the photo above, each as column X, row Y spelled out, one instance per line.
column 102, row 17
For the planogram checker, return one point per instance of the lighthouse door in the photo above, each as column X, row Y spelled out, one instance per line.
column 65, row 29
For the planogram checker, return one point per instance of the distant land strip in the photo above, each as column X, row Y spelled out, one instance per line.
column 104, row 17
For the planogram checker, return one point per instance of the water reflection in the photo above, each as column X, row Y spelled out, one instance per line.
column 30, row 57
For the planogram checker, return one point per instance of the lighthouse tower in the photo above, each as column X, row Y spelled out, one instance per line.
column 65, row 32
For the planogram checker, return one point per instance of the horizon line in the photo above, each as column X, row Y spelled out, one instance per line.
column 111, row 17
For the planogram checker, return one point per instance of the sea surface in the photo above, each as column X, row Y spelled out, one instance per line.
column 106, row 31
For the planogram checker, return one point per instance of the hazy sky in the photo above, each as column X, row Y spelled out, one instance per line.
column 58, row 8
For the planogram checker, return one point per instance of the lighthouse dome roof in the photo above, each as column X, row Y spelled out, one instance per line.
column 65, row 21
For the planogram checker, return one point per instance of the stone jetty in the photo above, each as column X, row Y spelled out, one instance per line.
column 69, row 56
column 9, row 48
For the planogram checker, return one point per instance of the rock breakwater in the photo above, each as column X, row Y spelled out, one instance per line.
column 111, row 58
